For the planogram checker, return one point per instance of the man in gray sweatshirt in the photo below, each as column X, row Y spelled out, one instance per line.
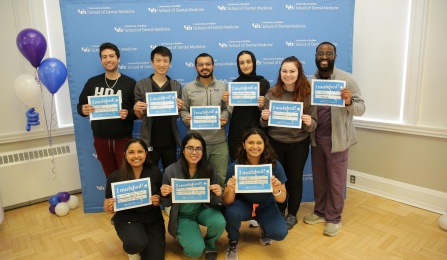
column 205, row 90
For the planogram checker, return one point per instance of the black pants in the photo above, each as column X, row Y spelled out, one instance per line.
column 293, row 157
column 146, row 239
column 167, row 154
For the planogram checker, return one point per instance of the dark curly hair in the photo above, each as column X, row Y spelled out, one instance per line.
column 268, row 155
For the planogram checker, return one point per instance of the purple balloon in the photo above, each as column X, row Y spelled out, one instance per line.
column 52, row 209
column 52, row 73
column 64, row 196
column 54, row 200
column 32, row 45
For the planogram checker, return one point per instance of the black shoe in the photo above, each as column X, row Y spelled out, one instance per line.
column 290, row 221
column 210, row 255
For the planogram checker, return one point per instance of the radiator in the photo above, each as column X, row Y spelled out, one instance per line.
column 33, row 175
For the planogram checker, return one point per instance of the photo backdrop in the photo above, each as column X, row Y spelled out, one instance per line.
column 273, row 30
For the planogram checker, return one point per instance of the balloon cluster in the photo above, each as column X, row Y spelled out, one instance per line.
column 51, row 71
column 62, row 202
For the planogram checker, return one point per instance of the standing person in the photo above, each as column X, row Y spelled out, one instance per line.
column 110, row 135
column 291, row 145
column 205, row 90
column 160, row 133
column 185, row 218
column 331, row 141
column 141, row 229
column 255, row 149
column 245, row 117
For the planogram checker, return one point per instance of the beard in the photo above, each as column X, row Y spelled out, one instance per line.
column 206, row 76
column 329, row 67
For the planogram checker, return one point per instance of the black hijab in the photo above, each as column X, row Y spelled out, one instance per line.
column 252, row 76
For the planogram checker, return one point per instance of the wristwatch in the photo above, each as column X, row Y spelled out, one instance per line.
column 352, row 101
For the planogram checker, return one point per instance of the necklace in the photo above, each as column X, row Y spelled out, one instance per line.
column 105, row 79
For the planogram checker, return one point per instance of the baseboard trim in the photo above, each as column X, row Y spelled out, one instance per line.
column 416, row 196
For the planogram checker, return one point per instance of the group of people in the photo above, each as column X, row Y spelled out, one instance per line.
column 205, row 154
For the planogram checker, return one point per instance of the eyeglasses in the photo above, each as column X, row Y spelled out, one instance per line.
column 208, row 64
column 191, row 149
column 328, row 54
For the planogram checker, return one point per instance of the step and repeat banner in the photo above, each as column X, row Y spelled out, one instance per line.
column 272, row 30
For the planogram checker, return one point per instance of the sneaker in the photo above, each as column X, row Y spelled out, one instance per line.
column 253, row 223
column 134, row 257
column 210, row 255
column 313, row 219
column 265, row 240
column 332, row 229
column 290, row 221
column 232, row 250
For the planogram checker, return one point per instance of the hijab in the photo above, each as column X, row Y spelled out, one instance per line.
column 252, row 76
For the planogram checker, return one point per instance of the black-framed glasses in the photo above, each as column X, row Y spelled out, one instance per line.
column 191, row 149
column 328, row 54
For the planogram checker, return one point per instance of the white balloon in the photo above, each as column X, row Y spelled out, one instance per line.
column 62, row 209
column 73, row 202
column 27, row 90
column 443, row 221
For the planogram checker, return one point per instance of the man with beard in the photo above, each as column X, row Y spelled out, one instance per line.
column 205, row 90
column 331, row 140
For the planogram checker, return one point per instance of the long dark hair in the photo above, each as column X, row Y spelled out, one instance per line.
column 267, row 156
column 301, row 90
column 126, row 171
column 204, row 168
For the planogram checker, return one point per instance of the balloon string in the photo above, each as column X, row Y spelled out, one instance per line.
column 49, row 129
column 50, row 139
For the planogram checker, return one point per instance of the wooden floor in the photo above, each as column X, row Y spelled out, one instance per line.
column 373, row 228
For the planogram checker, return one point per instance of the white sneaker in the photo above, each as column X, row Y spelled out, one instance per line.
column 332, row 229
column 233, row 247
column 253, row 223
column 134, row 257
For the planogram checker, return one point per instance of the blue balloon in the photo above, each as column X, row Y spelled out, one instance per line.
column 32, row 44
column 32, row 118
column 52, row 73
column 54, row 200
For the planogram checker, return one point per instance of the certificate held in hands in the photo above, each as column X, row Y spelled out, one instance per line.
column 205, row 117
column 131, row 194
column 190, row 190
column 106, row 107
column 285, row 114
column 327, row 92
column 161, row 103
column 243, row 93
column 253, row 178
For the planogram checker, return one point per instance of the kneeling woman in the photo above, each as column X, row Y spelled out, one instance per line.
column 255, row 149
column 141, row 229
column 185, row 218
